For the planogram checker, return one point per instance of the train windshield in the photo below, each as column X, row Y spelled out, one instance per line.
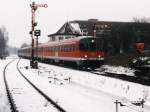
column 91, row 44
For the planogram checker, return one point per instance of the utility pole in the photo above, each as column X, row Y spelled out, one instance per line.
column 34, row 7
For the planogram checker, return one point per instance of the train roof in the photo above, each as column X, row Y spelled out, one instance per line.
column 65, row 41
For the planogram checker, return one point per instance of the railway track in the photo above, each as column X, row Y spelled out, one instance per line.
column 102, row 72
column 42, row 94
column 9, row 95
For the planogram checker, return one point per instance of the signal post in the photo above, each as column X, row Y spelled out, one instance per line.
column 34, row 7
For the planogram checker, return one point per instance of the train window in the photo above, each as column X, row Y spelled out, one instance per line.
column 82, row 46
column 45, row 49
column 65, row 48
column 61, row 48
column 53, row 49
column 60, row 38
column 70, row 48
column 49, row 49
column 76, row 47
column 91, row 44
column 56, row 48
column 73, row 47
column 67, row 37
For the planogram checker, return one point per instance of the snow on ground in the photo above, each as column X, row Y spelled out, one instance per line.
column 96, row 88
column 118, row 70
column 26, row 98
column 80, row 91
column 4, row 104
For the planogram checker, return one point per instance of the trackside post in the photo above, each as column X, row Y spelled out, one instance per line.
column 34, row 7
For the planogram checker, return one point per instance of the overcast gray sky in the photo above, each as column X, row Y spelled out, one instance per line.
column 15, row 15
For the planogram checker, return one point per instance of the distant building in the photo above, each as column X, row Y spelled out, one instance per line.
column 76, row 28
column 119, row 36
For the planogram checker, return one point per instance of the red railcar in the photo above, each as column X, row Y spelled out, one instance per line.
column 84, row 51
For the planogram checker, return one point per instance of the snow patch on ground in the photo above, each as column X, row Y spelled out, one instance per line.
column 119, row 88
column 68, row 86
column 118, row 70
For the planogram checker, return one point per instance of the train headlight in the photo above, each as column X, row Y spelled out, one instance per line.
column 99, row 56
column 85, row 56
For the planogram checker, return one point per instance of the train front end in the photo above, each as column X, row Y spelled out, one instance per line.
column 91, row 52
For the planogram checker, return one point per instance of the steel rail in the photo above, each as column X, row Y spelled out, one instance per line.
column 41, row 92
column 9, row 95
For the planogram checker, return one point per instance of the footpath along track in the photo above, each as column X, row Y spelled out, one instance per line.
column 10, row 89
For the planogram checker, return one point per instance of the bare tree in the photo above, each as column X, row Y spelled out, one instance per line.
column 141, row 20
column 3, row 42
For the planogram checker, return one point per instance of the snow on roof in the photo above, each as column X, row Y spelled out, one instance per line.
column 76, row 27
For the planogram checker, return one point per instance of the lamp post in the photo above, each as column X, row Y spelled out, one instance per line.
column 34, row 7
